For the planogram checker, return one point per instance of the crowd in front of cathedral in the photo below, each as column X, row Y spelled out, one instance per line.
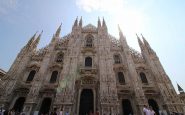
column 149, row 111
column 146, row 111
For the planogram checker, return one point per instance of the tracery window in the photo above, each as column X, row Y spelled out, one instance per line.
column 89, row 41
column 121, row 78
column 53, row 77
column 31, row 76
column 60, row 57
column 88, row 62
column 117, row 59
column 143, row 78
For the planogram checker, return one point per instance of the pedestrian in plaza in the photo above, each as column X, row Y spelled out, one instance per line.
column 146, row 110
column 152, row 112
column 66, row 113
column 61, row 111
column 1, row 111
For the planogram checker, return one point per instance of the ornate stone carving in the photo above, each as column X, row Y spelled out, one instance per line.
column 39, row 55
column 89, row 28
column 73, row 76
column 136, row 56
column 63, row 43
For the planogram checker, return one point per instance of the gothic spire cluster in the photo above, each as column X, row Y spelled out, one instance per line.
column 34, row 41
column 144, row 45
column 79, row 23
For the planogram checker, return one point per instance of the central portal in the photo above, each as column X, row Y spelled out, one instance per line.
column 86, row 102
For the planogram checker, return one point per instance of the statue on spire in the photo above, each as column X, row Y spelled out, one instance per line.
column 75, row 25
column 57, row 34
column 145, row 42
column 104, row 26
column 121, row 33
column 99, row 22
column 36, row 42
column 147, row 45
column 31, row 40
column 80, row 22
column 104, row 23
column 141, row 45
column 76, row 22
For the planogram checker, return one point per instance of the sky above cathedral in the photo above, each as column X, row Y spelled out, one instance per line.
column 160, row 21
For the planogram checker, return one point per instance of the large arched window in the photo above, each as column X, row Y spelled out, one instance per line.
column 121, row 78
column 60, row 57
column 31, row 76
column 89, row 41
column 117, row 59
column 88, row 62
column 53, row 77
column 143, row 78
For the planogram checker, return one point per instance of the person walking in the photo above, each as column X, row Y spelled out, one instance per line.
column 146, row 110
column 152, row 112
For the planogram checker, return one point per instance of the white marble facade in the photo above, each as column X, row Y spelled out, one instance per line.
column 88, row 70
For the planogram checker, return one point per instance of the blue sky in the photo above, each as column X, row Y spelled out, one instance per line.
column 161, row 22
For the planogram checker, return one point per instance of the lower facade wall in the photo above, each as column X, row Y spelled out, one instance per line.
column 126, row 105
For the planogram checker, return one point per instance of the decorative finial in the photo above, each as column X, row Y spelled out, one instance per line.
column 35, row 34
column 103, row 22
column 139, row 40
column 76, row 21
column 36, row 42
column 80, row 23
column 58, row 31
column 137, row 36
column 140, row 43
column 143, row 37
column 99, row 22
column 32, row 39
column 119, row 28
column 38, row 38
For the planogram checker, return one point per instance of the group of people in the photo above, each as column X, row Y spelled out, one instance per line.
column 5, row 112
column 55, row 112
column 10, row 112
column 148, row 110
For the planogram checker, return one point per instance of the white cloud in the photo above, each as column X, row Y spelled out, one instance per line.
column 129, row 18
column 100, row 5
column 7, row 5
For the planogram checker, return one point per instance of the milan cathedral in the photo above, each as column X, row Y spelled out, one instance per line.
column 88, row 70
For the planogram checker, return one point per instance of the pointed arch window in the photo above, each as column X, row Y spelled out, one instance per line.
column 143, row 78
column 89, row 41
column 31, row 76
column 88, row 62
column 117, row 59
column 60, row 57
column 121, row 78
column 53, row 78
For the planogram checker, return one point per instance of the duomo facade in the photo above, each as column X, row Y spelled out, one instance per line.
column 88, row 70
